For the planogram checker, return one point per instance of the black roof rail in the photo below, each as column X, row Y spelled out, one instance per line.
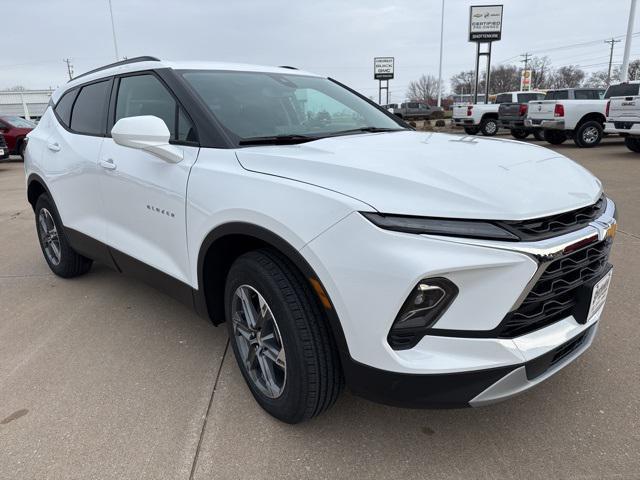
column 287, row 66
column 144, row 58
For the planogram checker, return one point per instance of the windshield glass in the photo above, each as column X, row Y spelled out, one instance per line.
column 18, row 122
column 256, row 104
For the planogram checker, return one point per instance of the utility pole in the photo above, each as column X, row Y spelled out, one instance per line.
column 624, row 74
column 440, row 66
column 113, row 32
column 526, row 59
column 612, row 42
column 69, row 67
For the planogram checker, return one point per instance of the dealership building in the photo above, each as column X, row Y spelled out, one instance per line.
column 29, row 104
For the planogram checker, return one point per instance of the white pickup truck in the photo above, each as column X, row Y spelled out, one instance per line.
column 623, row 114
column 482, row 117
column 570, row 113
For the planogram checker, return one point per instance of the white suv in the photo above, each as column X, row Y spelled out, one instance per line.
column 340, row 245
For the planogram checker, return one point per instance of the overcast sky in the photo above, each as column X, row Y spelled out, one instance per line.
column 338, row 38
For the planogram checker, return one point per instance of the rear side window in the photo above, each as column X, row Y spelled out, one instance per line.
column 527, row 97
column 557, row 95
column 587, row 95
column 146, row 95
column 622, row 90
column 63, row 108
column 89, row 111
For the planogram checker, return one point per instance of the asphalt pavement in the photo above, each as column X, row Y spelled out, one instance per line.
column 103, row 377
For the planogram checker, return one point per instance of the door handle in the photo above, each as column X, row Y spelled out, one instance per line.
column 108, row 164
column 54, row 147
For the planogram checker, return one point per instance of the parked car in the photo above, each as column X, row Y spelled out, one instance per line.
column 577, row 113
column 411, row 111
column 623, row 114
column 511, row 115
column 482, row 117
column 420, row 269
column 4, row 149
column 15, row 129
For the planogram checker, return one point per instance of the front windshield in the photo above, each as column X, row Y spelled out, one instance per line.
column 19, row 122
column 254, row 104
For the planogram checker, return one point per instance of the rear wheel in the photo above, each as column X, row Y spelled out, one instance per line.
column 589, row 134
column 471, row 130
column 280, row 338
column 519, row 133
column 555, row 137
column 632, row 143
column 489, row 126
column 62, row 259
column 538, row 134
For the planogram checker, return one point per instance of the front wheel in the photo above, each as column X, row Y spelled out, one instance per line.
column 62, row 259
column 588, row 135
column 632, row 143
column 471, row 130
column 555, row 137
column 519, row 133
column 280, row 337
column 489, row 127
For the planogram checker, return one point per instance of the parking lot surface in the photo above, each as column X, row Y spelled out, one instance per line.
column 103, row 377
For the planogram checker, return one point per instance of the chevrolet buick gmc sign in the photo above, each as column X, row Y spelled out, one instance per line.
column 485, row 24
column 383, row 68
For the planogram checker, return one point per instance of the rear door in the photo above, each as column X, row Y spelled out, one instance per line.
column 71, row 156
column 144, row 195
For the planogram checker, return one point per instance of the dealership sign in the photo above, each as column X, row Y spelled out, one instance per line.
column 485, row 23
column 383, row 68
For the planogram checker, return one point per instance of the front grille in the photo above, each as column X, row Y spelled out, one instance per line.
column 541, row 364
column 555, row 294
column 554, row 225
column 3, row 144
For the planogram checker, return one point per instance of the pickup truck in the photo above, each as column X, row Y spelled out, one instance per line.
column 417, row 111
column 577, row 113
column 482, row 117
column 623, row 114
column 511, row 115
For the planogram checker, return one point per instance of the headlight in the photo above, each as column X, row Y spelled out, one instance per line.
column 440, row 226
column 425, row 305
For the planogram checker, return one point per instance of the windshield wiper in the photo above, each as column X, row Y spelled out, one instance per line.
column 366, row 130
column 277, row 140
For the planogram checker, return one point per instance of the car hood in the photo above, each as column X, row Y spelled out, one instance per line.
column 434, row 174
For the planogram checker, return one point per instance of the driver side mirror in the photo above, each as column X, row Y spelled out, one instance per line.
column 149, row 133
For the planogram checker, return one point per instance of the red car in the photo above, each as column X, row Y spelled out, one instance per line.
column 14, row 129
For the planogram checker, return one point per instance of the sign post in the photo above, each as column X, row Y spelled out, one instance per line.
column 525, row 80
column 383, row 71
column 485, row 26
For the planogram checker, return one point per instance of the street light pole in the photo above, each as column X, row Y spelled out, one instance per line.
column 624, row 74
column 440, row 67
column 113, row 31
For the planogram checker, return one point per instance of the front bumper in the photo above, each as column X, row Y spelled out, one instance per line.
column 544, row 124
column 623, row 128
column 371, row 274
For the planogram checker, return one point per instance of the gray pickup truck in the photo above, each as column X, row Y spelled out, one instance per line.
column 511, row 115
column 418, row 111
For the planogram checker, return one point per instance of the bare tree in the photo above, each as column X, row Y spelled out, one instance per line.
column 599, row 79
column 540, row 68
column 463, row 82
column 570, row 76
column 504, row 78
column 634, row 70
column 423, row 89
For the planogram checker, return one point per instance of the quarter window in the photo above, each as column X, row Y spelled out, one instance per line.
column 146, row 95
column 64, row 106
column 89, row 110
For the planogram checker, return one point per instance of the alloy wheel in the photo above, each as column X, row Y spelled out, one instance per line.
column 258, row 340
column 590, row 135
column 49, row 236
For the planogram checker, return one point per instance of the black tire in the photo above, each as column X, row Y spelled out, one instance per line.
column 589, row 134
column 519, row 133
column 314, row 376
column 489, row 126
column 538, row 134
column 555, row 137
column 632, row 143
column 471, row 130
column 69, row 262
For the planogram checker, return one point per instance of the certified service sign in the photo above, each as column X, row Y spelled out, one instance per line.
column 485, row 23
column 383, row 68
